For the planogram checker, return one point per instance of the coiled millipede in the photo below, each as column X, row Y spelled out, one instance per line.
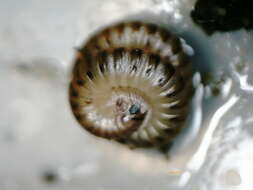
column 132, row 83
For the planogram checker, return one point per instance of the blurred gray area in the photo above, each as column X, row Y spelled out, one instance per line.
column 43, row 147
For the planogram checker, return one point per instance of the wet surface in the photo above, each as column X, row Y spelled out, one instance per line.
column 43, row 147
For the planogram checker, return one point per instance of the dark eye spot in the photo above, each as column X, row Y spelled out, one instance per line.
column 134, row 109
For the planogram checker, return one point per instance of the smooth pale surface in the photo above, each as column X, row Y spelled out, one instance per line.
column 39, row 134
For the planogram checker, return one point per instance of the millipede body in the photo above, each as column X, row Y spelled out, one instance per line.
column 132, row 82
